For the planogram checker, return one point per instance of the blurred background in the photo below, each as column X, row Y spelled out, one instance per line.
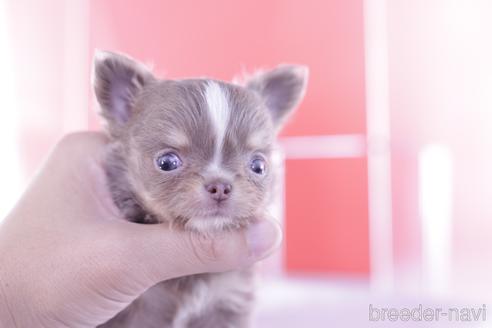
column 387, row 179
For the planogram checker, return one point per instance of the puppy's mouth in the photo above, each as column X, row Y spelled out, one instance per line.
column 218, row 209
column 214, row 217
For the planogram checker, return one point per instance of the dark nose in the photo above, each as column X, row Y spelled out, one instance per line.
column 219, row 190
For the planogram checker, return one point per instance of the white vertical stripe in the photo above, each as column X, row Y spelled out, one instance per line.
column 435, row 200
column 10, row 174
column 218, row 108
column 378, row 136
column 273, row 264
column 76, row 66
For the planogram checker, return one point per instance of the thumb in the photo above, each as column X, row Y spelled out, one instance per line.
column 163, row 253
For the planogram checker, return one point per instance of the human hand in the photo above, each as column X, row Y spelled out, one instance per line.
column 68, row 259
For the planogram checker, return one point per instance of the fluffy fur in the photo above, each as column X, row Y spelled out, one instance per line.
column 217, row 130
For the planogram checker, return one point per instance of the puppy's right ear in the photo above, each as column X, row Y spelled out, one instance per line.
column 117, row 81
column 281, row 89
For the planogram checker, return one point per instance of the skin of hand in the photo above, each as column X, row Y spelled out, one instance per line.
column 68, row 259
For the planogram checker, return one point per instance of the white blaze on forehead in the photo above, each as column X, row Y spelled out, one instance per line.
column 218, row 108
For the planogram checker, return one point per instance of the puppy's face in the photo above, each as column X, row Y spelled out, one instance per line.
column 196, row 152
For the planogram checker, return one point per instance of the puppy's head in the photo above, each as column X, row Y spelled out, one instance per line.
column 197, row 151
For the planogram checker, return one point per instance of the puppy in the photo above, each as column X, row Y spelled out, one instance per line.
column 195, row 154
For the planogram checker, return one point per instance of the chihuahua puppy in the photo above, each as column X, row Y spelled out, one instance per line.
column 195, row 154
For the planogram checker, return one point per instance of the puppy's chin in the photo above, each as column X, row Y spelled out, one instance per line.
column 210, row 217
column 212, row 224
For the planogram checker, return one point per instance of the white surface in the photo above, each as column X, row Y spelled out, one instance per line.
column 322, row 303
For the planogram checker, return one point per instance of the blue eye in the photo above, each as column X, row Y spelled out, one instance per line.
column 258, row 166
column 169, row 162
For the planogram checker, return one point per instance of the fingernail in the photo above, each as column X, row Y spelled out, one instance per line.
column 263, row 238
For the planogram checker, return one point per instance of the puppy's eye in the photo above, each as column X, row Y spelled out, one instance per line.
column 258, row 165
column 169, row 162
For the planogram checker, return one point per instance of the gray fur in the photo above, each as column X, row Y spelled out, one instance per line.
column 147, row 117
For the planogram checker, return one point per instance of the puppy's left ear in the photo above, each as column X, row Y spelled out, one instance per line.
column 281, row 89
column 118, row 80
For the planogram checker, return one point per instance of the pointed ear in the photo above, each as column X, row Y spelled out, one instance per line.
column 117, row 80
column 281, row 88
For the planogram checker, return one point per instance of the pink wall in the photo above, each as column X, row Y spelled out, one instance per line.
column 222, row 38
